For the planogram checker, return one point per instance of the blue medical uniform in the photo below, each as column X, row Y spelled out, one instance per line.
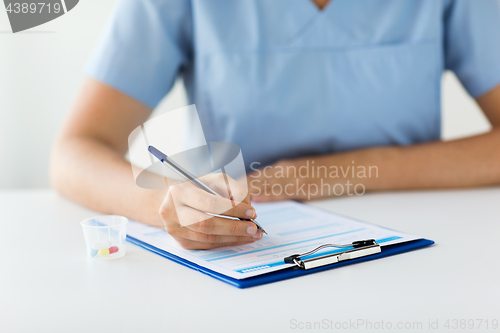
column 283, row 79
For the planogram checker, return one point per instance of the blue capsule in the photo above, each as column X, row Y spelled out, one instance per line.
column 93, row 252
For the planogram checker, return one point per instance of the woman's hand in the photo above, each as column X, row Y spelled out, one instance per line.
column 284, row 180
column 184, row 213
column 312, row 178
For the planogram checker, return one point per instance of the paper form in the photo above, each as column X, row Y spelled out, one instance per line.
column 292, row 228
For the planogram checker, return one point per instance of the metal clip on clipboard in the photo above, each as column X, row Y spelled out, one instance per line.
column 360, row 249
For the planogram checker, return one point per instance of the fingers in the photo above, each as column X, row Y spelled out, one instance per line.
column 238, row 188
column 189, row 234
column 191, row 196
column 184, row 212
column 190, row 238
column 192, row 245
column 213, row 225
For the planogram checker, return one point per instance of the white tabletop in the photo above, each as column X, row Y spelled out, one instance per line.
column 48, row 284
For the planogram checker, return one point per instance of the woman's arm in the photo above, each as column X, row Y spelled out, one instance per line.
column 88, row 162
column 473, row 161
column 88, row 166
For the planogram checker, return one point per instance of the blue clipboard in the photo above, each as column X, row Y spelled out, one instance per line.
column 287, row 273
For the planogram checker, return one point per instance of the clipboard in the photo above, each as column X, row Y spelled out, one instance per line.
column 334, row 260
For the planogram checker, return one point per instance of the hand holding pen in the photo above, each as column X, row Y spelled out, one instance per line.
column 198, row 217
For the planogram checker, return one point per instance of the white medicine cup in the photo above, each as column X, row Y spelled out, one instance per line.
column 105, row 236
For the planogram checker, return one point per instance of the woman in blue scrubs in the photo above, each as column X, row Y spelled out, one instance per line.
column 294, row 83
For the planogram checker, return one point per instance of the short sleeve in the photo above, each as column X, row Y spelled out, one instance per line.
column 143, row 47
column 472, row 43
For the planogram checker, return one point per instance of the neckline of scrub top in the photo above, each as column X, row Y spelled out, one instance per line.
column 309, row 10
column 324, row 7
column 319, row 11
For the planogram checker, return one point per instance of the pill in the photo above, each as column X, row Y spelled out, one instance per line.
column 104, row 252
column 113, row 249
column 92, row 252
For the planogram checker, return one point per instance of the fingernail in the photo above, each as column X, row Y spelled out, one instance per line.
column 250, row 213
column 251, row 230
column 257, row 235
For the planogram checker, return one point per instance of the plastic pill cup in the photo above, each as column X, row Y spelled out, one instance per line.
column 105, row 236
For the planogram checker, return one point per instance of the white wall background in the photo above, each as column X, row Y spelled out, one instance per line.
column 41, row 71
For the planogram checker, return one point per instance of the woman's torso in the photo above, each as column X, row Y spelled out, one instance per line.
column 283, row 79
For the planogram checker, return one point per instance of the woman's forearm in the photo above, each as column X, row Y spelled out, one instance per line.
column 473, row 161
column 93, row 174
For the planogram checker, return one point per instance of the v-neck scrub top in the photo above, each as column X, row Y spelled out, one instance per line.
column 283, row 79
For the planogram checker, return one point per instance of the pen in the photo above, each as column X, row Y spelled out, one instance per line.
column 192, row 178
